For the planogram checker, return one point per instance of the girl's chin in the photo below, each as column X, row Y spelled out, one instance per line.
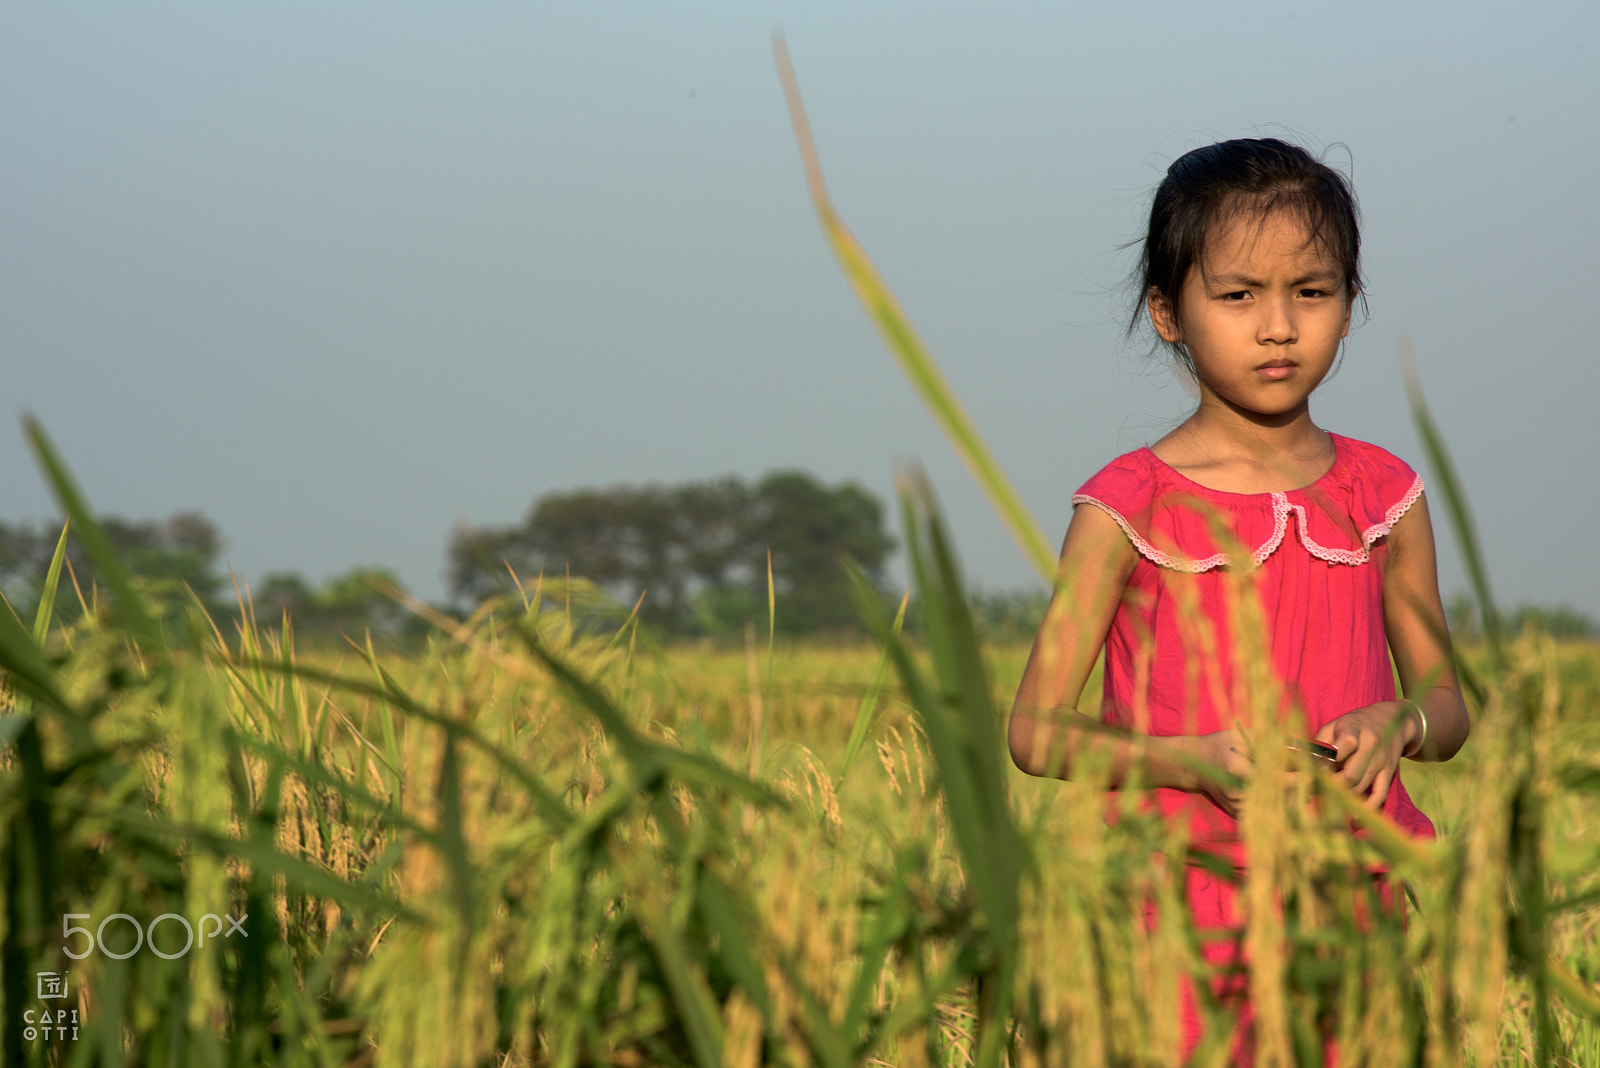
column 1279, row 409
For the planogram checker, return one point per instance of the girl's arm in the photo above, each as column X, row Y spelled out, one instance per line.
column 1370, row 740
column 1096, row 562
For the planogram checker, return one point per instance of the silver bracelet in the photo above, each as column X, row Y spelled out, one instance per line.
column 1422, row 743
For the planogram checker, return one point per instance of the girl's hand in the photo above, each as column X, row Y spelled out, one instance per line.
column 1370, row 741
column 1227, row 750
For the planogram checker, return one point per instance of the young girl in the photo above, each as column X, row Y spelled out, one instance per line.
column 1249, row 274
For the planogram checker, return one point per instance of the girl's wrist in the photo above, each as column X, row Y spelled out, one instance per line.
column 1415, row 729
column 1185, row 752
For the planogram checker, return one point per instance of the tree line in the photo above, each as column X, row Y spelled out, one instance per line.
column 693, row 557
column 696, row 553
column 178, row 563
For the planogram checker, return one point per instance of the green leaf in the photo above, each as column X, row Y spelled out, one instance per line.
column 1579, row 900
column 126, row 605
column 641, row 752
column 315, row 774
column 687, row 984
column 453, row 837
column 1444, row 470
column 47, row 592
column 12, row 725
column 24, row 663
column 897, row 332
column 830, row 1044
column 1584, row 778
column 388, row 691
column 883, row 927
column 866, row 711
column 1579, row 995
column 262, row 857
column 963, row 731
column 718, row 908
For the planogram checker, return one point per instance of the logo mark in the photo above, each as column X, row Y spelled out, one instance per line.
column 60, row 1023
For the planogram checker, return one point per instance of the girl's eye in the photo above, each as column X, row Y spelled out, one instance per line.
column 1240, row 294
column 1313, row 293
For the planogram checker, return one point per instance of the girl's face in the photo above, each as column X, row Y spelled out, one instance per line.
column 1261, row 318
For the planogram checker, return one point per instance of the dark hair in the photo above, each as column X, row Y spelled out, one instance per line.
column 1253, row 177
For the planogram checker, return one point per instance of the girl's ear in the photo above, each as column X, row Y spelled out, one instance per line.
column 1164, row 317
column 1349, row 308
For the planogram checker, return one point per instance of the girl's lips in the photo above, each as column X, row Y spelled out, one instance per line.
column 1276, row 371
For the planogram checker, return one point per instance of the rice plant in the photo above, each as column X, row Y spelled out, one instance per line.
column 537, row 844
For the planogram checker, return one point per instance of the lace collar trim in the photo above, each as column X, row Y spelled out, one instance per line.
column 1282, row 508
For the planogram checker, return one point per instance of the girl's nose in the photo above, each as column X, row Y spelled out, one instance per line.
column 1277, row 326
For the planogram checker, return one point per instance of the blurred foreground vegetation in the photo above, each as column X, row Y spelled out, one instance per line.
column 530, row 844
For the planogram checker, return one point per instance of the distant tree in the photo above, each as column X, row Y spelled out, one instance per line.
column 1559, row 622
column 477, row 560
column 182, row 550
column 721, row 611
column 715, row 519
column 1461, row 613
column 1008, row 615
column 697, row 551
column 166, row 555
column 809, row 527
column 1562, row 621
column 724, row 567
column 20, row 566
column 624, row 539
column 283, row 592
column 353, row 603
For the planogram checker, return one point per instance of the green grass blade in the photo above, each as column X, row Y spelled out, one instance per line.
column 866, row 712
column 963, row 730
column 984, row 723
column 453, row 837
column 772, row 640
column 1444, row 470
column 394, row 763
column 315, row 774
column 721, row 912
column 1579, row 995
column 687, row 986
column 127, row 605
column 830, row 1044
column 895, row 327
column 27, row 670
column 36, row 842
column 11, row 725
column 554, row 812
column 919, row 1006
column 642, row 753
column 882, row 927
column 985, row 837
column 47, row 592
column 262, row 857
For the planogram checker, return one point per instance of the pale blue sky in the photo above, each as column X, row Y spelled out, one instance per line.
column 341, row 276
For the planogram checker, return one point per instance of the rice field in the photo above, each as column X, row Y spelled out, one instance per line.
column 534, row 845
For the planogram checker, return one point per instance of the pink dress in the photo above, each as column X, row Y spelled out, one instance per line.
column 1321, row 553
